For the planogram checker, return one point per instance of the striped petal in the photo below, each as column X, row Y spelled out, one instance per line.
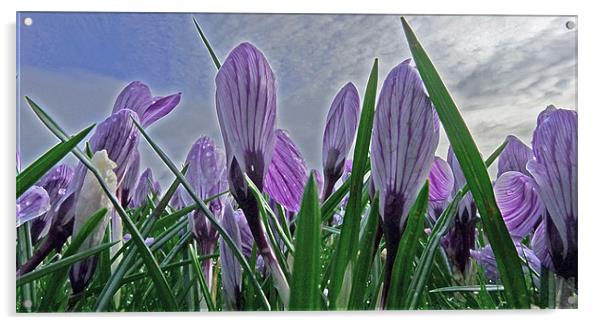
column 515, row 156
column 32, row 204
column 441, row 185
column 467, row 207
column 516, row 196
column 540, row 246
column 555, row 172
column 246, row 108
column 147, row 186
column 55, row 182
column 287, row 173
column 137, row 97
column 128, row 186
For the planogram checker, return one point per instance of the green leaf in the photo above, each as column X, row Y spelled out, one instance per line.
column 52, row 295
column 347, row 245
column 441, row 227
column 471, row 288
column 203, row 207
column 168, row 299
column 42, row 165
column 61, row 264
column 305, row 284
column 477, row 178
column 365, row 257
column 406, row 254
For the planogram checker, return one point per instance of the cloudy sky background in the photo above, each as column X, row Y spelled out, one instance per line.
column 501, row 70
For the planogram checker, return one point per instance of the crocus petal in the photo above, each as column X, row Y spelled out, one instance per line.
column 146, row 187
column 177, row 200
column 404, row 139
column 540, row 246
column 441, row 184
column 467, row 206
column 91, row 199
column 32, row 204
column 486, row 259
column 56, row 183
column 339, row 133
column 231, row 269
column 519, row 202
column 246, row 108
column 287, row 173
column 515, row 156
column 555, row 172
column 128, row 186
column 137, row 97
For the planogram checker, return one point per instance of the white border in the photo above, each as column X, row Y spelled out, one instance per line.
column 589, row 139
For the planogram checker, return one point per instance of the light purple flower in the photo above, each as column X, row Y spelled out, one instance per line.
column 287, row 173
column 126, row 191
column 404, row 139
column 441, row 185
column 540, row 246
column 246, row 108
column 555, row 172
column 339, row 133
column 32, row 204
column 55, row 182
column 520, row 205
column 147, row 186
column 177, row 200
column 231, row 269
column 486, row 259
column 514, row 157
column 137, row 97
column 148, row 241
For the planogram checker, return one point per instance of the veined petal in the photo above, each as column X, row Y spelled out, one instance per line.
column 441, row 181
column 515, row 156
column 128, row 186
column 404, row 139
column 339, row 132
column 518, row 200
column 555, row 172
column 32, row 204
column 467, row 206
column 287, row 173
column 159, row 107
column 147, row 186
column 540, row 246
column 56, row 183
column 246, row 107
column 137, row 97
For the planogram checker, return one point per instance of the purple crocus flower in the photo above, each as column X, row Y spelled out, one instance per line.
column 55, row 182
column 520, row 205
column 231, row 269
column 128, row 186
column 555, row 172
column 137, row 97
column 540, row 246
column 147, row 186
column 339, row 133
column 441, row 185
column 486, row 259
column 207, row 175
column 404, row 139
column 287, row 173
column 461, row 237
column 246, row 110
column 32, row 204
column 514, row 157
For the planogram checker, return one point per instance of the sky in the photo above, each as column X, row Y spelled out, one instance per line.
column 501, row 70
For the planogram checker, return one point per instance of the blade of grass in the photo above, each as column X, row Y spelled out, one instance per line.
column 476, row 175
column 203, row 207
column 30, row 175
column 207, row 45
column 364, row 260
column 163, row 289
column 406, row 254
column 305, row 284
column 201, row 278
column 471, row 288
column 347, row 245
column 441, row 227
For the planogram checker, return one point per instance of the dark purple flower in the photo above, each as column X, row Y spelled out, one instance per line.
column 246, row 110
column 461, row 237
column 404, row 139
column 555, row 172
column 137, row 97
column 55, row 182
column 339, row 133
column 32, row 204
column 520, row 205
column 147, row 186
column 287, row 173
column 441, row 185
column 486, row 259
column 515, row 156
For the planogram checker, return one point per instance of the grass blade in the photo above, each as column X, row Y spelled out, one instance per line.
column 199, row 273
column 207, row 45
column 42, row 165
column 406, row 254
column 347, row 245
column 473, row 288
column 474, row 169
column 305, row 284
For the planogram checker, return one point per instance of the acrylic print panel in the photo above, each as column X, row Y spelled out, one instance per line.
column 255, row 162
